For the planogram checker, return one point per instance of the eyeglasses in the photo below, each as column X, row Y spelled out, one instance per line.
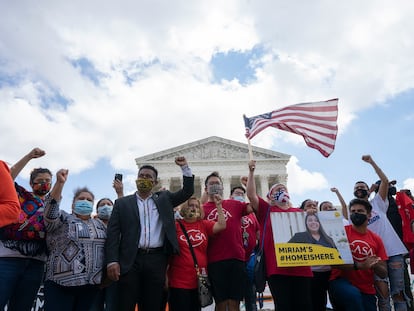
column 238, row 193
column 42, row 181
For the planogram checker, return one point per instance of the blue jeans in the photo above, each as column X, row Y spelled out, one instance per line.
column 346, row 296
column 395, row 266
column 20, row 279
column 250, row 295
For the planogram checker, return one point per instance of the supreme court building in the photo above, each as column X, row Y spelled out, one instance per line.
column 229, row 158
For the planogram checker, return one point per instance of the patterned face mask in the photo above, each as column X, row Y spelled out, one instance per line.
column 281, row 196
column 190, row 212
column 215, row 189
column 144, row 185
column 41, row 189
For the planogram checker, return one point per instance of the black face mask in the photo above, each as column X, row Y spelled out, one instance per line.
column 358, row 219
column 360, row 193
column 392, row 191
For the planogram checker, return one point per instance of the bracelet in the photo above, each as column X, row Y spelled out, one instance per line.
column 355, row 266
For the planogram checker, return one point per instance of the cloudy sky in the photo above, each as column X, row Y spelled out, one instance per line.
column 97, row 84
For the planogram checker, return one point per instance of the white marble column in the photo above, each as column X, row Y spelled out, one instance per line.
column 226, row 187
column 202, row 187
column 264, row 185
column 166, row 183
column 282, row 178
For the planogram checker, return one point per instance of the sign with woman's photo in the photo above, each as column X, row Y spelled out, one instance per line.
column 303, row 239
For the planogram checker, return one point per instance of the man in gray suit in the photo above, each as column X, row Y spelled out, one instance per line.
column 140, row 237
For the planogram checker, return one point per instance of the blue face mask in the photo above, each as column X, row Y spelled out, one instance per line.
column 239, row 198
column 105, row 211
column 83, row 207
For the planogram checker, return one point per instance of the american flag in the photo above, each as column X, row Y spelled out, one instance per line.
column 315, row 121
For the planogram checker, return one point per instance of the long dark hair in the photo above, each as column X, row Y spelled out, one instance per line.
column 322, row 232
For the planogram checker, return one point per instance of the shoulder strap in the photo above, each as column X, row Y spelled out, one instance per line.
column 189, row 244
column 264, row 227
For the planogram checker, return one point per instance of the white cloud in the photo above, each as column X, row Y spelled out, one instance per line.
column 408, row 184
column 301, row 180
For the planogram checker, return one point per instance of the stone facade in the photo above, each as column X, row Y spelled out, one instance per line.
column 214, row 153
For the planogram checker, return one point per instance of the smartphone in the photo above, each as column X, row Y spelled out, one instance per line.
column 118, row 176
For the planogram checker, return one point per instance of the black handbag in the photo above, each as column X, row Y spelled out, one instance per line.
column 259, row 271
column 204, row 286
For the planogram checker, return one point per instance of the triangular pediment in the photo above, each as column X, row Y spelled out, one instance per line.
column 213, row 148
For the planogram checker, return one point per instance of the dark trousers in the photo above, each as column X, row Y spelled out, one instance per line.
column 107, row 299
column 183, row 300
column 320, row 284
column 69, row 298
column 291, row 293
column 144, row 283
column 19, row 275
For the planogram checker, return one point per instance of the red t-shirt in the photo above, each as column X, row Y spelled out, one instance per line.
column 362, row 245
column 250, row 226
column 181, row 271
column 227, row 244
column 9, row 203
column 406, row 210
column 269, row 244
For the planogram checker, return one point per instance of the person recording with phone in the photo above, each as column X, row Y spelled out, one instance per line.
column 107, row 298
column 226, row 253
column 118, row 185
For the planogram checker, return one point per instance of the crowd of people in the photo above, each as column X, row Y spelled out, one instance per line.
column 145, row 250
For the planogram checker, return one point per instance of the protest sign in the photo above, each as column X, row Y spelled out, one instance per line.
column 309, row 240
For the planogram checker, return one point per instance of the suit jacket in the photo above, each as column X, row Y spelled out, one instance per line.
column 124, row 228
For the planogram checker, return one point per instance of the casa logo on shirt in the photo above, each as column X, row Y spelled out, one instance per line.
column 196, row 237
column 246, row 222
column 214, row 216
column 361, row 250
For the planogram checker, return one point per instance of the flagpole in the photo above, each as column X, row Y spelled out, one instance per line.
column 250, row 149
